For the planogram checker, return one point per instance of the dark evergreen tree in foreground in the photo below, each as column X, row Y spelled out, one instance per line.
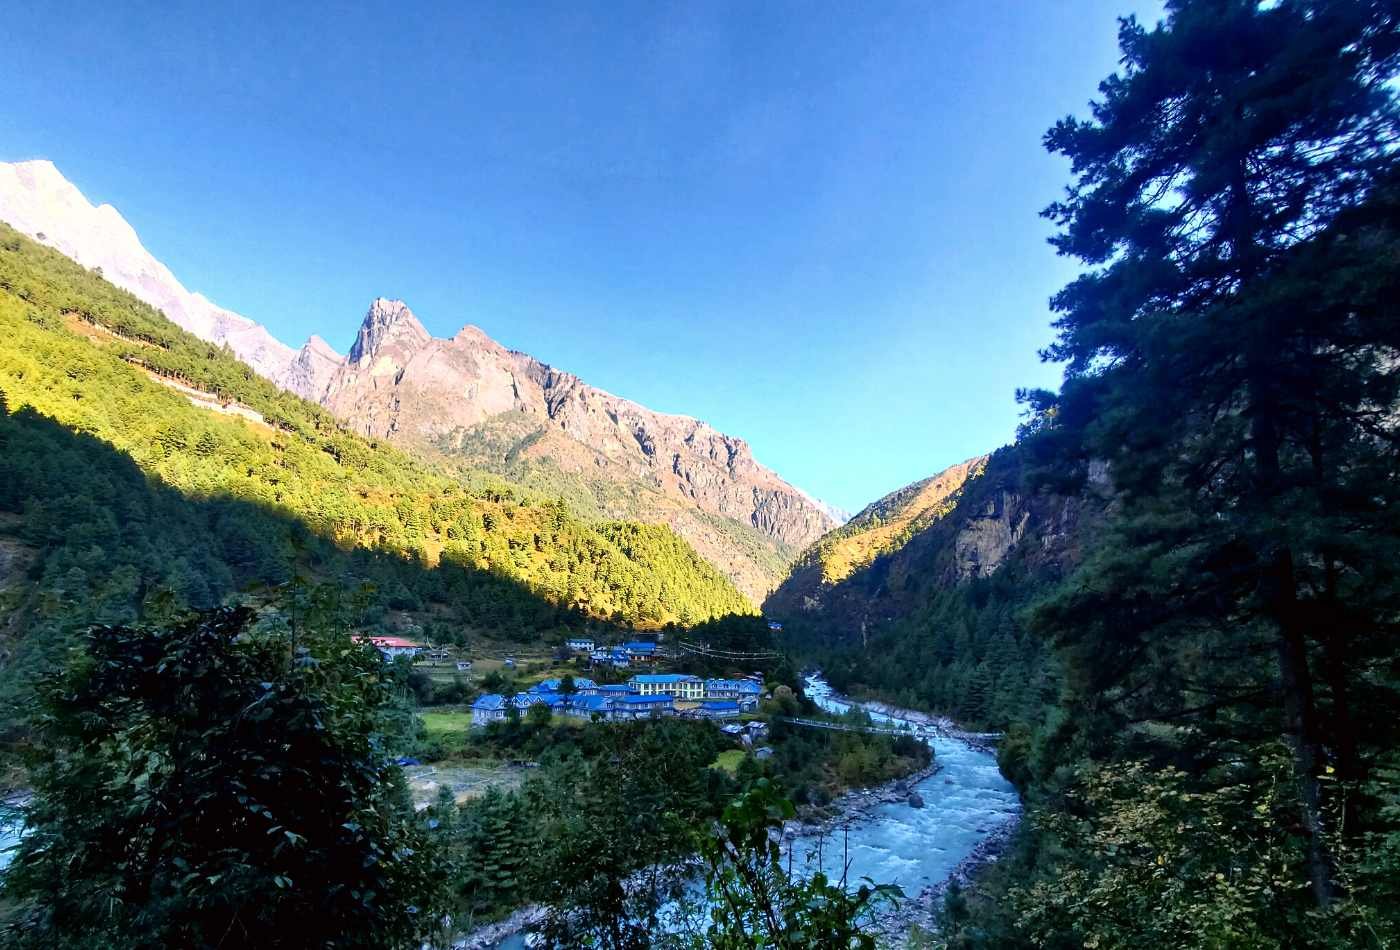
column 1231, row 355
column 208, row 785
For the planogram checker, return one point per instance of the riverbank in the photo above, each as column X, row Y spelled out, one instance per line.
column 493, row 935
column 970, row 814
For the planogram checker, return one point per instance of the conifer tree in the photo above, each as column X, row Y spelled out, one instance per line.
column 1227, row 354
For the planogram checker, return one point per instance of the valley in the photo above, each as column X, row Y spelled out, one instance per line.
column 405, row 639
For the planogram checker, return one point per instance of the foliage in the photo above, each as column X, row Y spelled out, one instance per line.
column 756, row 903
column 609, row 801
column 964, row 652
column 1228, row 357
column 212, row 783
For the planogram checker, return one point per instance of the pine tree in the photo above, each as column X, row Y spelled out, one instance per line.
column 1235, row 201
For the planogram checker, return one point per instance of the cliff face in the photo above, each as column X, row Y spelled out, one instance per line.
column 986, row 519
column 399, row 382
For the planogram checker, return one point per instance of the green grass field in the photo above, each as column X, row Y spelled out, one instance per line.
column 728, row 760
column 441, row 723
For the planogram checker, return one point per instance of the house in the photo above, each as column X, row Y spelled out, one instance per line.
column 679, row 685
column 587, row 707
column 774, row 625
column 619, row 657
column 634, row 706
column 391, row 647
column 582, row 684
column 488, row 708
column 580, row 644
column 745, row 692
column 641, row 650
column 718, row 709
column 523, row 701
column 464, row 666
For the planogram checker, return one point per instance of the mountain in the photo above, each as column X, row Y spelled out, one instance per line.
column 36, row 200
column 469, row 398
column 138, row 462
column 964, row 524
column 465, row 393
column 881, row 527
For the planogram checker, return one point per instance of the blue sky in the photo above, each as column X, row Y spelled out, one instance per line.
column 812, row 224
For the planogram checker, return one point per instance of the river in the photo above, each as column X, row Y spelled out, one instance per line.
column 966, row 800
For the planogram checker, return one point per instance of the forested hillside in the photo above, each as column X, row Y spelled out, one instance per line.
column 141, row 464
column 879, row 530
column 935, row 622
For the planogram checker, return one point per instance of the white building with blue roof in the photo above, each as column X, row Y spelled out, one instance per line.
column 744, row 692
column 488, row 708
column 635, row 706
column 718, row 709
column 680, row 685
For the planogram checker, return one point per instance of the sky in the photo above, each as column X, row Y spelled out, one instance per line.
column 813, row 225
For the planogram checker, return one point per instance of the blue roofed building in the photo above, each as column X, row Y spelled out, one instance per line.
column 487, row 709
column 642, row 650
column 524, row 701
column 589, row 707
column 745, row 692
column 718, row 709
column 679, row 685
column 633, row 706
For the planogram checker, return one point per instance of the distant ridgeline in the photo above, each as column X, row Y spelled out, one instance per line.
column 137, row 461
column 916, row 600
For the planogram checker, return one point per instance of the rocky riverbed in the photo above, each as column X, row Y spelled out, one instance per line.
column 969, row 813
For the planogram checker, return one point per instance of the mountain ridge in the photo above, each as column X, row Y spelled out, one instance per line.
column 399, row 382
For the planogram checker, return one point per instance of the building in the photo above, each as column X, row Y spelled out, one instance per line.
column 587, row 707
column 679, row 685
column 641, row 650
column 634, row 706
column 391, row 647
column 718, row 709
column 464, row 666
column 582, row 684
column 487, row 709
column 774, row 625
column 523, row 701
column 580, row 644
column 745, row 692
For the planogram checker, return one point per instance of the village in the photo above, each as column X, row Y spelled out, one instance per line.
column 642, row 696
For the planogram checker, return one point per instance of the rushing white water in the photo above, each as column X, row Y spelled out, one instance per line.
column 964, row 800
column 10, row 828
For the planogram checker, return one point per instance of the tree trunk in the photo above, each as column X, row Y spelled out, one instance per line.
column 1279, row 597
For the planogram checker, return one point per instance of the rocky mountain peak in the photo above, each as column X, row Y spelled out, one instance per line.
column 388, row 325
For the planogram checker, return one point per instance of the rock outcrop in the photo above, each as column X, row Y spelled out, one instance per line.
column 311, row 370
column 399, row 382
